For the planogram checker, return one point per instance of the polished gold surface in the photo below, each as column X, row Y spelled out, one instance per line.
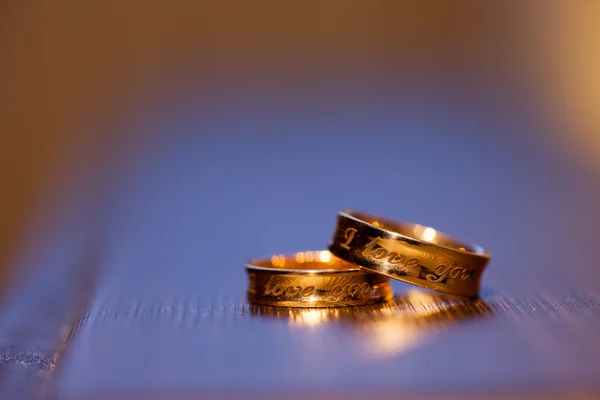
column 313, row 279
column 409, row 252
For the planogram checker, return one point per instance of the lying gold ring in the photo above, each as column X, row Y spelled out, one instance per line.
column 409, row 252
column 313, row 279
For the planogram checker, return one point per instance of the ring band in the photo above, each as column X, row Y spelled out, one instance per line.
column 411, row 253
column 313, row 279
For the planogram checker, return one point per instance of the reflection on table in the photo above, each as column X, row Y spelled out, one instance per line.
column 388, row 329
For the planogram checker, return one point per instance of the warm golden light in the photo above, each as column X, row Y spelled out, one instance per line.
column 403, row 331
column 324, row 256
column 312, row 316
column 423, row 302
column 278, row 260
column 387, row 338
column 429, row 234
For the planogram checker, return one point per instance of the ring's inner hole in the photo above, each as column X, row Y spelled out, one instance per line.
column 304, row 260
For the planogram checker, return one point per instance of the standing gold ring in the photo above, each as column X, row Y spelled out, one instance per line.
column 313, row 279
column 411, row 253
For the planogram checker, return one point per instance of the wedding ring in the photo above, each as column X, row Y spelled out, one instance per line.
column 411, row 253
column 313, row 279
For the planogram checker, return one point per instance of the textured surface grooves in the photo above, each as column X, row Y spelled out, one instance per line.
column 440, row 307
column 38, row 321
column 414, row 328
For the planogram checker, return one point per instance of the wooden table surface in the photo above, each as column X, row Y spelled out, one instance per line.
column 129, row 277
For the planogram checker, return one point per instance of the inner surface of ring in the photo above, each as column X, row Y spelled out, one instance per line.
column 417, row 231
column 305, row 260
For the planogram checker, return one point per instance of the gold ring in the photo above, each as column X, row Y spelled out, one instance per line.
column 411, row 253
column 313, row 279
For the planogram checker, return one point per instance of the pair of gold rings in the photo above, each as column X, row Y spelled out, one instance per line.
column 364, row 252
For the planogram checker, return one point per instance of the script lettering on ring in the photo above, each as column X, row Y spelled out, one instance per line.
column 443, row 272
column 337, row 293
column 400, row 263
column 348, row 236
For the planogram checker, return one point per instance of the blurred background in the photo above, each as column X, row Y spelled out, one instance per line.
column 149, row 148
column 76, row 76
